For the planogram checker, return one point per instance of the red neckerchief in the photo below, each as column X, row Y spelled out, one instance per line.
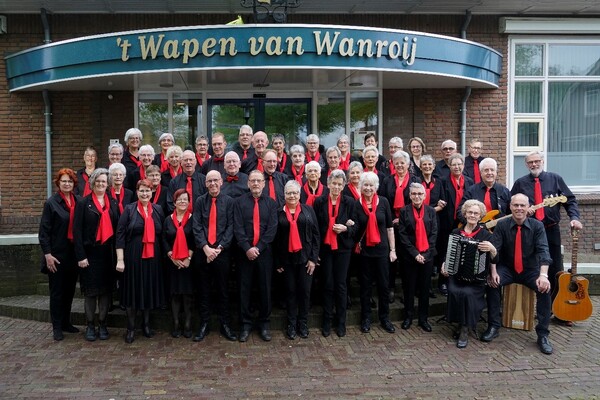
column 399, row 197
column 149, row 232
column 353, row 191
column 392, row 168
column 142, row 172
column 164, row 163
column 311, row 197
column 332, row 212
column 428, row 187
column 231, row 178
column 298, row 175
column 345, row 162
column 372, row 236
column 135, row 159
column 459, row 189
column 472, row 234
column 316, row 158
column 374, row 170
column 200, row 159
column 105, row 228
column 86, row 187
column 156, row 194
column 421, row 242
column 294, row 242
column 283, row 162
column 70, row 206
column 180, row 246
column 173, row 172
column 118, row 197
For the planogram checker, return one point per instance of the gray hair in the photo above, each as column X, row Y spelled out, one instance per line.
column 355, row 164
column 333, row 149
column 488, row 161
column 165, row 136
column 470, row 203
column 343, row 137
column 117, row 167
column 297, row 149
column 534, row 153
column 232, row 154
column 133, row 131
column 200, row 138
column 445, row 142
column 401, row 154
column 416, row 185
column 455, row 156
column 174, row 149
column 313, row 164
column 278, row 136
column 312, row 136
column 427, row 157
column 336, row 174
column 369, row 177
column 396, row 140
column 147, row 147
column 246, row 127
column 371, row 148
column 115, row 146
column 97, row 172
column 292, row 183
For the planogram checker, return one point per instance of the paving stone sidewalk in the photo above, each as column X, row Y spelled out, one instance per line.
column 408, row 364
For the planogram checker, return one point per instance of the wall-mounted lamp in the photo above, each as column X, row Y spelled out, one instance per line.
column 3, row 28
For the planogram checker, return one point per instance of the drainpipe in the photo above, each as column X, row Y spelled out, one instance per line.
column 463, row 103
column 47, row 113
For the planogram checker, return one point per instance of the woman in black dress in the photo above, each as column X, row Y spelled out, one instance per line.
column 96, row 217
column 139, row 257
column 56, row 240
column 178, row 243
column 466, row 300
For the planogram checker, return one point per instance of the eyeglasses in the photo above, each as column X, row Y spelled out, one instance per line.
column 66, row 182
column 531, row 162
column 448, row 148
column 292, row 193
column 256, row 180
column 474, row 213
column 417, row 194
column 475, row 147
column 182, row 200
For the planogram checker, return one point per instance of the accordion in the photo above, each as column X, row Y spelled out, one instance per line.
column 464, row 261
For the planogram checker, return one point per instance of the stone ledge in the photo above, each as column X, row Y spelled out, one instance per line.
column 12, row 240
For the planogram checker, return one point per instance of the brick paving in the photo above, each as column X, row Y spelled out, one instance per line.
column 408, row 364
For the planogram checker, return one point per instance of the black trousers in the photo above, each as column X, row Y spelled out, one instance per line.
column 527, row 278
column 214, row 274
column 374, row 268
column 554, row 243
column 334, row 270
column 418, row 277
column 297, row 283
column 62, row 290
column 257, row 272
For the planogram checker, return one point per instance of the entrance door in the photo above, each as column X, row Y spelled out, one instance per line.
column 289, row 117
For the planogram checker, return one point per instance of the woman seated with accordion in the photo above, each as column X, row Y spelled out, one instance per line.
column 467, row 264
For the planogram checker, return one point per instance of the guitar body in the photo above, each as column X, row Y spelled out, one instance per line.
column 572, row 302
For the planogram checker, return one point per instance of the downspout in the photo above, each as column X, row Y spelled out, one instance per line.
column 47, row 113
column 463, row 103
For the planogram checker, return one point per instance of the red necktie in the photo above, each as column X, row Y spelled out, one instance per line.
column 486, row 200
column 459, row 190
column 245, row 155
column 421, row 242
column 259, row 166
column 272, row 188
column 256, row 223
column 537, row 194
column 189, row 190
column 105, row 228
column 518, row 252
column 476, row 172
column 294, row 242
column 212, row 222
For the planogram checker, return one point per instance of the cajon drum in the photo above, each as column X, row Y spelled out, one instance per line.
column 517, row 307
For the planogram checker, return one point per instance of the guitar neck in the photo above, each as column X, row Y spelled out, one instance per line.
column 574, row 255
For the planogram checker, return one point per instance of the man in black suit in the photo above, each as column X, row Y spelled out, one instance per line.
column 189, row 178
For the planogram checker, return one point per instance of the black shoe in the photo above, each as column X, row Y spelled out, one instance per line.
column 147, row 332
column 228, row 333
column 365, row 326
column 372, row 303
column 406, row 323
column 57, row 334
column 187, row 334
column 265, row 335
column 432, row 294
column 70, row 329
column 326, row 329
column 290, row 332
column 490, row 334
column 425, row 326
column 387, row 326
column 303, row 330
column 90, row 333
column 463, row 337
column 391, row 297
column 341, row 331
column 129, row 336
column 176, row 333
column 103, row 332
column 444, row 289
column 202, row 332
column 244, row 334
column 544, row 345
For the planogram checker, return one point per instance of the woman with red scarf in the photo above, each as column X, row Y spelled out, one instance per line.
column 336, row 227
column 375, row 234
column 174, row 154
column 133, row 141
column 56, row 240
column 178, row 243
column 139, row 257
column 296, row 255
column 159, row 192
column 343, row 143
column 295, row 170
column 418, row 230
column 146, row 154
column 165, row 141
column 352, row 189
column 312, row 188
column 466, row 300
column 122, row 195
column 94, row 228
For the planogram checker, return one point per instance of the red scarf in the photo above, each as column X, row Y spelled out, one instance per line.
column 472, row 234
column 309, row 158
column 118, row 197
column 283, row 162
column 71, row 209
column 294, row 242
column 201, row 160
column 310, row 200
column 332, row 212
column 421, row 242
column 105, row 228
column 156, row 194
column 164, row 163
column 428, row 187
column 231, row 178
column 86, row 187
column 136, row 160
column 173, row 172
column 298, row 175
column 373, row 238
column 142, row 172
column 353, row 191
column 392, row 168
column 149, row 232
column 180, row 246
column 399, row 198
column 459, row 189
column 345, row 163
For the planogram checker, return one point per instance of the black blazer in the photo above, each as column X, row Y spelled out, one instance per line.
column 224, row 220
column 384, row 222
column 406, row 233
column 346, row 208
column 309, row 236
column 85, row 224
column 127, row 220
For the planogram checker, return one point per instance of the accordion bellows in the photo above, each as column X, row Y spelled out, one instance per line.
column 464, row 261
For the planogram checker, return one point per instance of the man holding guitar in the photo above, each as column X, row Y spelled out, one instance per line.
column 537, row 185
column 523, row 258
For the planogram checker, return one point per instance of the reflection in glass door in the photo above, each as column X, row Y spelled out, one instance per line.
column 289, row 117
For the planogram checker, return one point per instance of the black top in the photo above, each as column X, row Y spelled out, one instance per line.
column 345, row 240
column 86, row 224
column 54, row 227
column 240, row 152
column 279, row 181
column 128, row 197
column 165, row 177
column 552, row 185
column 384, row 222
column 250, row 163
column 127, row 221
column 309, row 236
column 128, row 162
column 436, row 192
column 469, row 166
column 170, row 232
column 406, row 232
column 180, row 182
column 285, row 163
column 235, row 189
column 213, row 164
column 304, row 195
column 224, row 220
column 533, row 239
column 499, row 197
column 81, row 182
column 441, row 171
column 243, row 229
column 447, row 220
column 388, row 190
column 162, row 198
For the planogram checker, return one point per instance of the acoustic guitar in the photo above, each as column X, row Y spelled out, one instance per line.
column 572, row 302
column 548, row 202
